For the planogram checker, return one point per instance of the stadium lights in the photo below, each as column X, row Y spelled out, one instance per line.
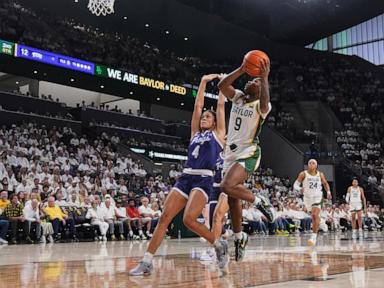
column 102, row 86
column 35, row 72
column 185, row 38
column 17, row 82
column 147, row 25
column 167, row 32
column 125, row 17
column 72, row 80
column 182, row 104
column 158, row 99
column 131, row 93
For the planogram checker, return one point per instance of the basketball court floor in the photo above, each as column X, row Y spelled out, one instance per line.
column 272, row 261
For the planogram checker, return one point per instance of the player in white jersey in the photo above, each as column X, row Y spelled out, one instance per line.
column 242, row 152
column 355, row 198
column 312, row 182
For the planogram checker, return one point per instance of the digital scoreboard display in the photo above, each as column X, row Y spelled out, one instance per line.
column 54, row 59
column 38, row 55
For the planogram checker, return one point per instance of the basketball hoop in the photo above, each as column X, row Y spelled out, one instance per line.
column 101, row 7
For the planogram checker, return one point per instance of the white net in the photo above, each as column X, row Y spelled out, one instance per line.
column 101, row 7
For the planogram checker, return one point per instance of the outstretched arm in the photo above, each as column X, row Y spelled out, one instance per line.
column 220, row 115
column 264, row 96
column 326, row 186
column 199, row 103
column 225, row 85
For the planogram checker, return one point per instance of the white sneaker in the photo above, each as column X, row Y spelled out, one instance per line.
column 143, row 237
column 361, row 234
column 3, row 241
column 205, row 256
column 43, row 239
column 354, row 235
column 104, row 238
column 312, row 241
column 50, row 239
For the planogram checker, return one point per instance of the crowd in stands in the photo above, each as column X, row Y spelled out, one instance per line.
column 361, row 115
column 53, row 182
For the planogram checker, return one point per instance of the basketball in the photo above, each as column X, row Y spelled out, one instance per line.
column 252, row 62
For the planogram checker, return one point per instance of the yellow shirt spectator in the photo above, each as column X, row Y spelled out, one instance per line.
column 4, row 204
column 54, row 212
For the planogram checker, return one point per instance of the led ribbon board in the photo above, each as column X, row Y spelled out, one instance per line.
column 54, row 59
column 34, row 54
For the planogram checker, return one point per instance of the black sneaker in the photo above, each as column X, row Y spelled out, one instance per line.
column 267, row 209
column 29, row 240
column 240, row 245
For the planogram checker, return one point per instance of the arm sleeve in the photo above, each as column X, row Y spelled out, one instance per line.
column 297, row 185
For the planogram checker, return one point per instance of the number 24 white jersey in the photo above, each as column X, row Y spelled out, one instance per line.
column 312, row 185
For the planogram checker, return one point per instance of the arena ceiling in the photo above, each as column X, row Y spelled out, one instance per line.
column 295, row 22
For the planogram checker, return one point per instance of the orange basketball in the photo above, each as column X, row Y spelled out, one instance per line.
column 252, row 62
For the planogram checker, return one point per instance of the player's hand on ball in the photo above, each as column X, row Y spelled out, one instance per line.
column 242, row 67
column 209, row 77
column 265, row 68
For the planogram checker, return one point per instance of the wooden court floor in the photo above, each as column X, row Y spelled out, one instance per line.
column 273, row 261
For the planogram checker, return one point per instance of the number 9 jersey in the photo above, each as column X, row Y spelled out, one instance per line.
column 244, row 128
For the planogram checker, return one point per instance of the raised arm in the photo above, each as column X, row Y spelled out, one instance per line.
column 264, row 96
column 326, row 186
column 220, row 116
column 225, row 85
column 199, row 103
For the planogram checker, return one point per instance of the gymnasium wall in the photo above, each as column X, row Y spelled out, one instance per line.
column 71, row 96
column 280, row 155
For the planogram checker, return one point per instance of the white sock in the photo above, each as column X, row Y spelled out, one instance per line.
column 314, row 236
column 148, row 257
column 238, row 236
column 131, row 233
column 140, row 232
column 216, row 243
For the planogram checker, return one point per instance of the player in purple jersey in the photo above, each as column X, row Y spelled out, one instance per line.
column 193, row 188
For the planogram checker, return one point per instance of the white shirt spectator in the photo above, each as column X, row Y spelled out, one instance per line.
column 95, row 215
column 61, row 203
column 145, row 210
column 83, row 167
column 121, row 213
column 108, row 213
column 30, row 214
column 22, row 187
